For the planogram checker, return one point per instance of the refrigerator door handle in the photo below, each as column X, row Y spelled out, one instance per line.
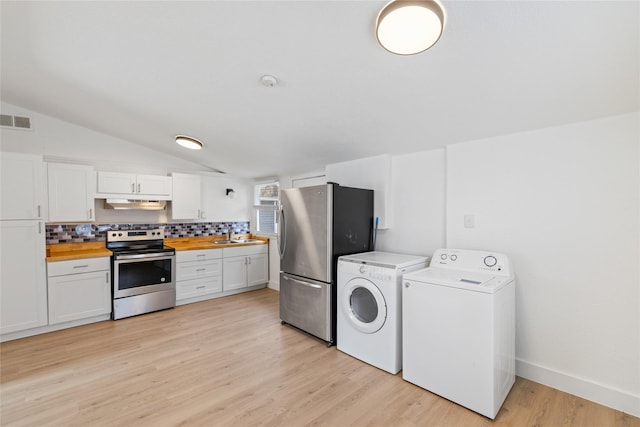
column 282, row 242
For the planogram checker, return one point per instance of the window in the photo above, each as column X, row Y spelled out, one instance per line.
column 267, row 197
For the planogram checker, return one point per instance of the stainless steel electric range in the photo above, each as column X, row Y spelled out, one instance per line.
column 143, row 272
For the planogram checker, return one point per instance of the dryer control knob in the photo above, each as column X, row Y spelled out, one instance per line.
column 490, row 261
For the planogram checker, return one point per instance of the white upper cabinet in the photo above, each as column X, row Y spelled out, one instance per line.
column 132, row 186
column 187, row 199
column 71, row 192
column 23, row 186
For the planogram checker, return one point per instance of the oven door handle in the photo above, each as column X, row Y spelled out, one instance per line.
column 164, row 255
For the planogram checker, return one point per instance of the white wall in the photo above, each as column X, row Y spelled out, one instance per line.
column 563, row 203
column 56, row 139
column 61, row 141
column 417, row 203
column 372, row 173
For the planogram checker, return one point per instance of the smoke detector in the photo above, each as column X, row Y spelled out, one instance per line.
column 268, row 81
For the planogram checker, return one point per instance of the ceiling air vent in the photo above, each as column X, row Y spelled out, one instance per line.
column 15, row 122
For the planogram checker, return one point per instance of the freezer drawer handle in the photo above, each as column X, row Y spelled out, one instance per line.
column 311, row 285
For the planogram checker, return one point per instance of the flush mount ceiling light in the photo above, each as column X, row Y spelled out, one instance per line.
column 189, row 142
column 407, row 27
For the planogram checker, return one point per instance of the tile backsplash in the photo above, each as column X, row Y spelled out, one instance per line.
column 78, row 233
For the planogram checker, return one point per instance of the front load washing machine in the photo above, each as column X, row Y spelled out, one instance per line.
column 369, row 312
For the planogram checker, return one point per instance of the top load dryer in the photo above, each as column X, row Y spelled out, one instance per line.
column 459, row 328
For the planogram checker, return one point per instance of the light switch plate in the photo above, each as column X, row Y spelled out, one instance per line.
column 469, row 221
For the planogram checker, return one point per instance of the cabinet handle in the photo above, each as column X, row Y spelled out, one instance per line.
column 138, row 187
column 133, row 187
column 200, row 287
column 39, row 213
column 201, row 269
column 81, row 266
column 198, row 213
column 107, row 277
column 39, row 228
column 90, row 213
column 249, row 259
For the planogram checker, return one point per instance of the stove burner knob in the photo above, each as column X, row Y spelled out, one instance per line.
column 119, row 234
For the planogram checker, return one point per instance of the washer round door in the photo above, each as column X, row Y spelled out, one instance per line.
column 364, row 305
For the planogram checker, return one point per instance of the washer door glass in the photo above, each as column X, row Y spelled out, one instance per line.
column 364, row 305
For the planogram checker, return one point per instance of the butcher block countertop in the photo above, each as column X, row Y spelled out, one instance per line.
column 69, row 251
column 205, row 242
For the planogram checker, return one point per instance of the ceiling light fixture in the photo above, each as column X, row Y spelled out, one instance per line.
column 407, row 27
column 189, row 142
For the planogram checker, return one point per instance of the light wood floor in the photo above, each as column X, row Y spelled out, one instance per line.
column 229, row 362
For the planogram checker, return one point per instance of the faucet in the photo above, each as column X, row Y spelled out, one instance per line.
column 229, row 235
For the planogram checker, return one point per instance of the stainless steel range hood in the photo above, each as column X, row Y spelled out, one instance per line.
column 126, row 204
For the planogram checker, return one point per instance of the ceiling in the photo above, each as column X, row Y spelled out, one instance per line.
column 146, row 71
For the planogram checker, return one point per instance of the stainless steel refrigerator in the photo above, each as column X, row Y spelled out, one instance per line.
column 317, row 225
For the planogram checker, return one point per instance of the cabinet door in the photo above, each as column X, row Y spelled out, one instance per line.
column 23, row 284
column 116, row 183
column 78, row 296
column 23, row 186
column 186, row 199
column 154, row 185
column 71, row 192
column 234, row 273
column 257, row 269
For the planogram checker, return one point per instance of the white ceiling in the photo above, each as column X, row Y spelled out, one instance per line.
column 146, row 71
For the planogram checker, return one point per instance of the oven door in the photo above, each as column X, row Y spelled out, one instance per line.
column 143, row 274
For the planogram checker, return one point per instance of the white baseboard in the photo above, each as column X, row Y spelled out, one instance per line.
column 599, row 393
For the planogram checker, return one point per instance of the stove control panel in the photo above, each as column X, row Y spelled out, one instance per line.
column 134, row 235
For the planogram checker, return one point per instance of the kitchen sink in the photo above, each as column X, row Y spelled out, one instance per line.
column 226, row 242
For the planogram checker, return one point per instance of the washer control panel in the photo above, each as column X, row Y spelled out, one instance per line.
column 471, row 260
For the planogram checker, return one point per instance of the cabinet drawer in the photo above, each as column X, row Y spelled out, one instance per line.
column 193, row 288
column 198, row 269
column 198, row 255
column 59, row 268
column 245, row 250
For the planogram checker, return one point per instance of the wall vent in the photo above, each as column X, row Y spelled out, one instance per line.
column 15, row 122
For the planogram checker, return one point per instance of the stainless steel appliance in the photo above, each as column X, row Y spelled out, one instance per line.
column 317, row 225
column 143, row 272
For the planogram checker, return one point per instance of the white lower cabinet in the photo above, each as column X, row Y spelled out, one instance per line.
column 211, row 273
column 78, row 289
column 244, row 266
column 198, row 273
